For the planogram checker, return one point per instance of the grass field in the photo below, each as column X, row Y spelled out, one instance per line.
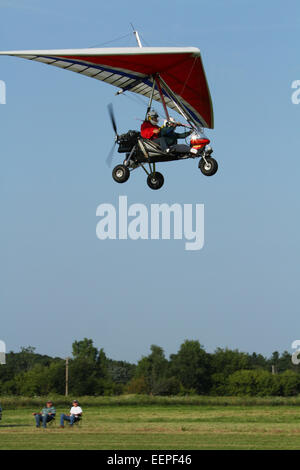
column 158, row 427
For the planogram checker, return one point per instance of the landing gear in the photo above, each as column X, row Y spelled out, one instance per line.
column 209, row 166
column 120, row 173
column 155, row 180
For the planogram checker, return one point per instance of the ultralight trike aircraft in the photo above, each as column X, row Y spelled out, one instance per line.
column 173, row 76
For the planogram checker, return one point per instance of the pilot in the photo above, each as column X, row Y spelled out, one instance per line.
column 149, row 128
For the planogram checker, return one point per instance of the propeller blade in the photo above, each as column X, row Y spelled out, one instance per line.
column 112, row 118
column 109, row 157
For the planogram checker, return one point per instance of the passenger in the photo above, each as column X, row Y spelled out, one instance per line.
column 171, row 137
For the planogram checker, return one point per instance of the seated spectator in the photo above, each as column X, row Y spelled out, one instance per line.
column 75, row 415
column 46, row 415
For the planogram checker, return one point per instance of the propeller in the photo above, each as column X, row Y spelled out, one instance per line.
column 114, row 125
column 112, row 118
column 109, row 157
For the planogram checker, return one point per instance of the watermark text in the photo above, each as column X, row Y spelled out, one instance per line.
column 2, row 352
column 159, row 222
column 2, row 92
column 296, row 94
column 296, row 354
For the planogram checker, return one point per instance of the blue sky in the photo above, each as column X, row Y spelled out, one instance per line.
column 59, row 283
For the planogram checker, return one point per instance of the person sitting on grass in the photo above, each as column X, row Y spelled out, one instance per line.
column 46, row 415
column 75, row 415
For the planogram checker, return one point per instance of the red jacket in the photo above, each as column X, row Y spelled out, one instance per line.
column 147, row 130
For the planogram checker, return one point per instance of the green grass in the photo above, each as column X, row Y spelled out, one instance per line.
column 13, row 402
column 158, row 427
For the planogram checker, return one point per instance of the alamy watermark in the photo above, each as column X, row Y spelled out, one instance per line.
column 2, row 92
column 2, row 352
column 137, row 221
column 296, row 94
column 296, row 354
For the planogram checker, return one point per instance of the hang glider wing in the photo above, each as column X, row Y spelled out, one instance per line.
column 131, row 69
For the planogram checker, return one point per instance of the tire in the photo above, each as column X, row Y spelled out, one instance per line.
column 155, row 180
column 210, row 168
column 120, row 173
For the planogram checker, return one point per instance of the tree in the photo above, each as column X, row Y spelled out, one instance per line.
column 290, row 383
column 120, row 372
column 88, row 371
column 191, row 365
column 40, row 380
column 137, row 385
column 166, row 386
column 84, row 349
column 258, row 361
column 285, row 362
column 226, row 361
column 253, row 383
column 83, row 377
column 153, row 367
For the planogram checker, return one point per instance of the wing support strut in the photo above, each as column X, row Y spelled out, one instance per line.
column 157, row 81
column 184, row 113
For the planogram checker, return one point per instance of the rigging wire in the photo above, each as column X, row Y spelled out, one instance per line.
column 109, row 42
column 138, row 100
column 147, row 44
column 188, row 77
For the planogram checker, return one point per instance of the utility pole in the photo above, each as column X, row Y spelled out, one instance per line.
column 67, row 377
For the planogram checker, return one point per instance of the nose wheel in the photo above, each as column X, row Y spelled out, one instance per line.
column 209, row 166
column 155, row 180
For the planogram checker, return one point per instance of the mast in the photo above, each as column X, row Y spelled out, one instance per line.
column 137, row 37
column 156, row 81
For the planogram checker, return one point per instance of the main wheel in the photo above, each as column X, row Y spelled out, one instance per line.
column 120, row 173
column 208, row 167
column 155, row 180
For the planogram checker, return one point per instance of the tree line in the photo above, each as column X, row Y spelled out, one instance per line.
column 190, row 371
